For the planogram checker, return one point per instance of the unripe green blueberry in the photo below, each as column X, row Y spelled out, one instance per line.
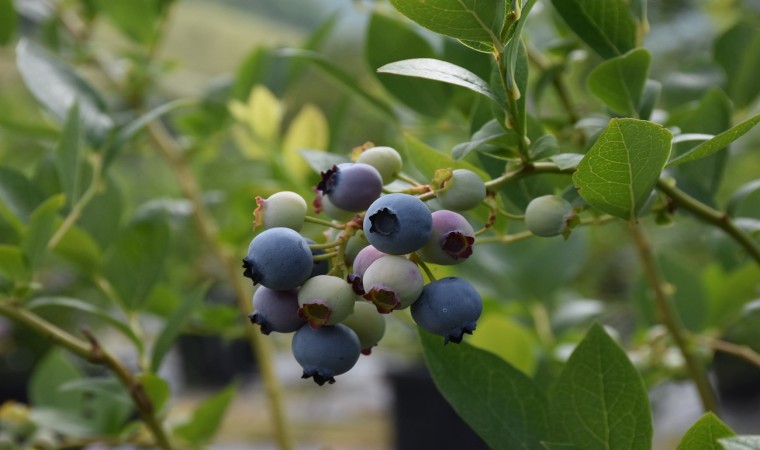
column 463, row 191
column 548, row 215
column 325, row 300
column 386, row 160
column 283, row 209
column 392, row 282
column 368, row 324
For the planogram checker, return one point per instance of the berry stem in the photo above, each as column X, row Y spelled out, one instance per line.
column 417, row 260
column 742, row 351
column 408, row 179
column 327, row 223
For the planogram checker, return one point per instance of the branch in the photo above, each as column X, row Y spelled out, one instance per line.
column 92, row 351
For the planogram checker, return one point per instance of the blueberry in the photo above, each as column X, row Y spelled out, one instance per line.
column 325, row 300
column 365, row 257
column 368, row 325
column 386, row 160
column 323, row 204
column 278, row 258
column 451, row 240
column 448, row 307
column 463, row 191
column 283, row 209
column 398, row 224
column 325, row 352
column 392, row 282
column 549, row 215
column 276, row 310
column 351, row 186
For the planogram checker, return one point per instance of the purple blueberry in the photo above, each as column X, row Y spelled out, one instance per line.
column 278, row 258
column 398, row 224
column 365, row 258
column 463, row 191
column 325, row 300
column 451, row 240
column 392, row 282
column 326, row 352
column 276, row 310
column 351, row 186
column 448, row 307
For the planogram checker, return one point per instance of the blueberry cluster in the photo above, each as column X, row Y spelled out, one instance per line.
column 335, row 296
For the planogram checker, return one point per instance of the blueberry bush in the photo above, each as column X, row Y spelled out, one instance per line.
column 561, row 199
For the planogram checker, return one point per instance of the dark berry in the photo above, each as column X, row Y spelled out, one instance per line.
column 276, row 310
column 325, row 352
column 398, row 224
column 278, row 258
column 351, row 186
column 451, row 240
column 448, row 307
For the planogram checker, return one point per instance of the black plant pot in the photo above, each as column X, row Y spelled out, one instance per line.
column 210, row 361
column 423, row 419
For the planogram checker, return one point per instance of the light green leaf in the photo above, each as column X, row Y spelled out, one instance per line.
column 8, row 21
column 388, row 40
column 157, row 389
column 13, row 265
column 427, row 159
column 567, row 160
column 717, row 143
column 502, row 405
column 308, row 129
column 41, row 227
column 470, row 20
column 606, row 26
column 108, row 317
column 738, row 52
column 741, row 443
column 622, row 167
column 68, row 157
column 704, row 434
column 135, row 263
column 619, row 82
column 344, row 79
column 740, row 194
column 435, row 69
column 137, row 19
column 599, row 400
column 81, row 249
column 507, row 339
column 173, row 327
column 320, row 161
column 106, row 387
column 652, row 90
column 207, row 417
column 490, row 133
column 53, row 371
column 544, row 147
column 18, row 198
column 57, row 87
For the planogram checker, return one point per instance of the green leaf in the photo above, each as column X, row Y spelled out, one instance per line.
column 495, row 329
column 704, row 434
column 206, row 418
column 427, row 159
column 622, row 167
column 108, row 317
column 619, row 82
column 740, row 443
column 81, row 249
column 717, row 143
column 57, row 87
column 173, row 327
column 390, row 40
column 137, row 259
column 68, row 157
column 8, row 21
column 53, row 371
column 107, row 387
column 435, row 69
column 604, row 25
column 131, row 129
column 41, row 227
column 652, row 90
column 157, row 389
column 599, row 400
column 502, row 405
column 738, row 52
column 344, row 79
column 18, row 198
column 106, row 406
column 544, row 147
column 320, row 161
column 13, row 265
column 470, row 20
column 136, row 18
column 308, row 129
column 740, row 194
column 557, row 446
column 567, row 160
column 490, row 132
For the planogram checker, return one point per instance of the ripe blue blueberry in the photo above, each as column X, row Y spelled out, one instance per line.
column 448, row 307
column 451, row 240
column 325, row 300
column 325, row 352
column 463, row 191
column 549, row 215
column 392, row 282
column 283, row 209
column 276, row 310
column 351, row 186
column 386, row 160
column 368, row 325
column 398, row 224
column 278, row 258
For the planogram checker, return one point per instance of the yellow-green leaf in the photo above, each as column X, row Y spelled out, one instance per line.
column 309, row 129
